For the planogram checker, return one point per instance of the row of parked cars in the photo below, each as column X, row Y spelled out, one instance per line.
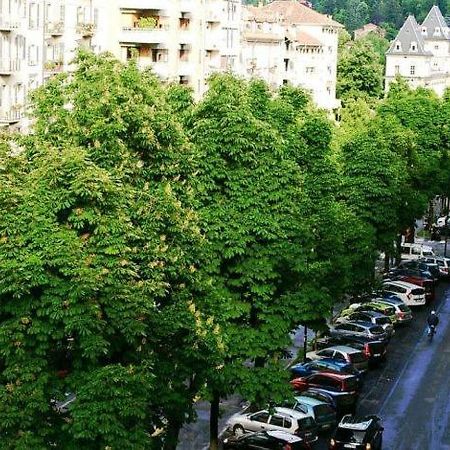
column 327, row 384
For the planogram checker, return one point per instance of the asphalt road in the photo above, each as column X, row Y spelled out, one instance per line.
column 411, row 390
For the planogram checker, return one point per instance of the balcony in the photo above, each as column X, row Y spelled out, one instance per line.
column 53, row 67
column 6, row 25
column 139, row 35
column 9, row 117
column 86, row 29
column 143, row 4
column 8, row 66
column 54, row 28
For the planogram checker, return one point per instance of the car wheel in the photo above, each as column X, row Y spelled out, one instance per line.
column 238, row 430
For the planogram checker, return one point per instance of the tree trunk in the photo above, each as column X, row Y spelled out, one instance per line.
column 386, row 261
column 173, row 430
column 398, row 250
column 214, row 422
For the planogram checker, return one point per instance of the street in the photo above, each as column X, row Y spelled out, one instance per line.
column 410, row 391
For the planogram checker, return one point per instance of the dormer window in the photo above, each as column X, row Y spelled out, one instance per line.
column 413, row 46
column 398, row 46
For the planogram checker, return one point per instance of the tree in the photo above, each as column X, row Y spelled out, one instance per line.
column 100, row 290
column 252, row 208
column 360, row 73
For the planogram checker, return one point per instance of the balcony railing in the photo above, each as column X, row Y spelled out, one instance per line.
column 144, row 35
column 6, row 24
column 86, row 29
column 8, row 117
column 54, row 28
column 8, row 66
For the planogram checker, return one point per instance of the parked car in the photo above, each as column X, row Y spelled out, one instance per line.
column 402, row 311
column 342, row 353
column 366, row 329
column 442, row 263
column 324, row 414
column 359, row 434
column 375, row 351
column 280, row 419
column 270, row 440
column 417, row 273
column 342, row 402
column 331, row 383
column 410, row 294
column 415, row 251
column 326, row 365
column 374, row 317
column 426, row 284
column 422, row 265
column 374, row 305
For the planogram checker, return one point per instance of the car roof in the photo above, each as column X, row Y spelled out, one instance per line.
column 291, row 413
column 369, row 313
column 353, row 423
column 335, row 362
column 363, row 323
column 403, row 284
column 338, row 376
column 284, row 436
column 344, row 348
column 309, row 400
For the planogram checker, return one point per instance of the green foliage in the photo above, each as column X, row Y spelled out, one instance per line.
column 99, row 257
column 360, row 72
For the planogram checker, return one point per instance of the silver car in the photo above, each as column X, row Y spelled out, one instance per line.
column 376, row 318
column 279, row 419
column 363, row 329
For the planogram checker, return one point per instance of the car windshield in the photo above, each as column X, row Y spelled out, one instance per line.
column 357, row 357
column 350, row 436
column 383, row 320
column 404, row 308
column 322, row 410
column 376, row 330
column 418, row 291
column 306, row 424
column 427, row 253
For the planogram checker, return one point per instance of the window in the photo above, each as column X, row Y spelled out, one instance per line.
column 261, row 417
column 397, row 69
column 413, row 46
column 398, row 46
column 325, row 353
column 437, row 31
column 276, row 421
column 310, row 69
column 436, row 47
column 287, row 423
column 412, row 70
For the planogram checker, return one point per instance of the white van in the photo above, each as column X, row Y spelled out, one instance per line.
column 416, row 251
column 410, row 294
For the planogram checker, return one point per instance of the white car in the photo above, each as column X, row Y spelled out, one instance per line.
column 442, row 221
column 279, row 419
column 410, row 294
column 416, row 251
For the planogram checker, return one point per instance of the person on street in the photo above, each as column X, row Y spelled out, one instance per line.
column 432, row 320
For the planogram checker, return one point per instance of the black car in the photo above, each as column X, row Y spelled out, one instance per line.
column 359, row 434
column 423, row 266
column 271, row 440
column 342, row 402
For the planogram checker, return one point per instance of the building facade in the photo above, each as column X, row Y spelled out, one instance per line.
column 285, row 42
column 183, row 41
column 421, row 53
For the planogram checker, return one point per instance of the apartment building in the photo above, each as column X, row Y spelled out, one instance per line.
column 183, row 41
column 421, row 53
column 38, row 40
column 287, row 41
